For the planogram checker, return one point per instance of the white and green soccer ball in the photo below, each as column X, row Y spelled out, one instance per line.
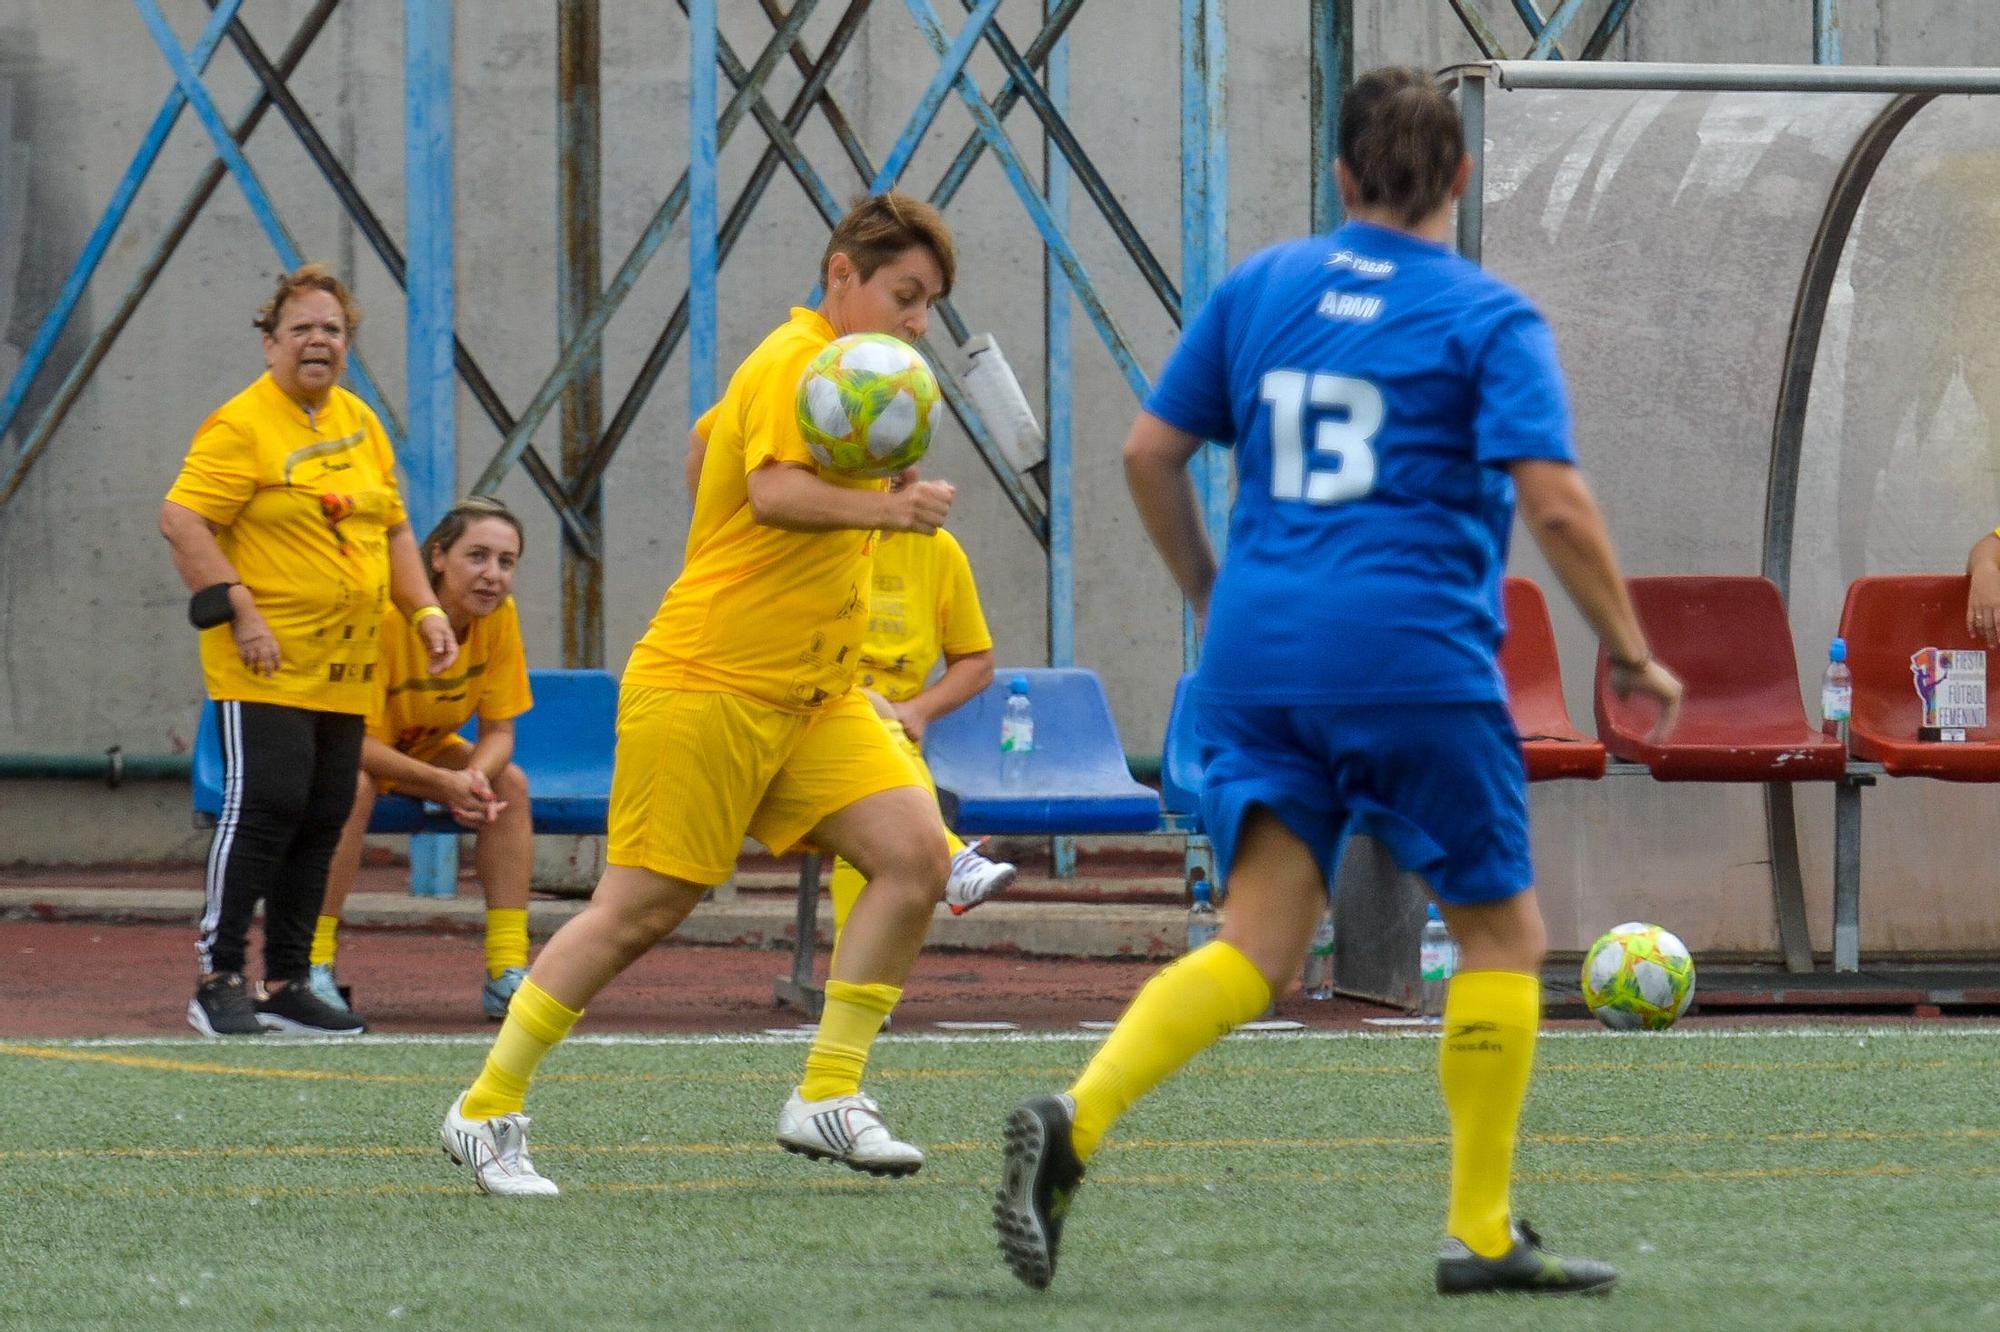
column 1638, row 977
column 868, row 405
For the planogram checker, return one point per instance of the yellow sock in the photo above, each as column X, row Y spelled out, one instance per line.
column 846, row 890
column 1187, row 1007
column 847, row 1028
column 535, row 1022
column 325, row 940
column 1484, row 1060
column 506, row 939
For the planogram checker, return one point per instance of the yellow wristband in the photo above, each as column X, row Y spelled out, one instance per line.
column 423, row 612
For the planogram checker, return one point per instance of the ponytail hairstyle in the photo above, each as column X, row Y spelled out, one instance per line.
column 461, row 516
column 1402, row 141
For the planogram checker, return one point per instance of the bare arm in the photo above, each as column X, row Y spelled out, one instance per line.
column 410, row 589
column 200, row 562
column 1560, row 514
column 697, row 451
column 964, row 676
column 1156, row 472
column 795, row 499
column 1982, row 604
column 495, row 749
column 465, row 792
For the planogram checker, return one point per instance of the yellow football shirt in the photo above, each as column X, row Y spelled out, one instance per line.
column 771, row 615
column 416, row 711
column 925, row 605
column 304, row 502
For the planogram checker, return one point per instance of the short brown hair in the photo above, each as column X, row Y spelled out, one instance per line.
column 1401, row 139
column 882, row 226
column 461, row 516
column 309, row 277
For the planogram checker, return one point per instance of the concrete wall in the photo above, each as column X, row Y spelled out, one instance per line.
column 93, row 647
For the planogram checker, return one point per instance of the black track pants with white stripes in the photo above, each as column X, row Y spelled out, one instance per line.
column 288, row 784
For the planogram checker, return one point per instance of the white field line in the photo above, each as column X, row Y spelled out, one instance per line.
column 1913, row 1032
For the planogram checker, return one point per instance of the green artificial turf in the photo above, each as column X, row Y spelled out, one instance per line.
column 1769, row 1180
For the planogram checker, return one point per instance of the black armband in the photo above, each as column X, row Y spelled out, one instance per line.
column 211, row 606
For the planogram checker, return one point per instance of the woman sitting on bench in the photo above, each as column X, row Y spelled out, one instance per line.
column 413, row 747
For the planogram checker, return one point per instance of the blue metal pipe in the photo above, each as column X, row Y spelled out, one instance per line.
column 1531, row 15
column 951, row 63
column 1055, row 128
column 1826, row 51
column 1052, row 235
column 1058, row 386
column 1204, row 230
column 254, row 193
column 1607, row 28
column 430, row 461
column 783, row 147
column 581, row 531
column 430, row 458
column 57, row 408
column 107, row 226
column 1545, row 41
column 702, row 255
column 591, row 330
column 1332, row 73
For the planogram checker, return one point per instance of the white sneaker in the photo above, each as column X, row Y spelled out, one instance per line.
column 847, row 1129
column 974, row 878
column 497, row 1151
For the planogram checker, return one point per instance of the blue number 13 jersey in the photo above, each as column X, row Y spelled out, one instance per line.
column 1374, row 386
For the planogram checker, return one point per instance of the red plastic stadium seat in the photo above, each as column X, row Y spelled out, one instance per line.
column 1551, row 744
column 1886, row 620
column 1742, row 719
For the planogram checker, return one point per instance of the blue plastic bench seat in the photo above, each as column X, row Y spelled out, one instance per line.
column 564, row 744
column 1077, row 780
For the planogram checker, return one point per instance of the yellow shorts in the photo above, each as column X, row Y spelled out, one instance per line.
column 695, row 772
column 450, row 750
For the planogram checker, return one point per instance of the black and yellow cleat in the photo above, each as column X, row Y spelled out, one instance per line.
column 1527, row 1267
column 1039, row 1179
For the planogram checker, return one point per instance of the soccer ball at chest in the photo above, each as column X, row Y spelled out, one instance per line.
column 868, row 405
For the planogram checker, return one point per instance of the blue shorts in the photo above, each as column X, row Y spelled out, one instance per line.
column 1444, row 787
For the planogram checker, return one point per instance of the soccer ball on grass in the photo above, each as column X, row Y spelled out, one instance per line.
column 868, row 405
column 1638, row 977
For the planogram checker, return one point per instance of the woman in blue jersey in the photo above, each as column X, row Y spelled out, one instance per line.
column 1389, row 403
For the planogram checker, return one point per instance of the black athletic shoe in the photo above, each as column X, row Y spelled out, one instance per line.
column 296, row 1009
column 1040, row 1177
column 1526, row 1267
column 222, row 1007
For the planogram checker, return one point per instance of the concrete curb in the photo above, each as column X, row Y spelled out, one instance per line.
column 1041, row 929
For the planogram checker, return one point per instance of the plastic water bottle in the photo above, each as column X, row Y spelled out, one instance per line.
column 1317, row 979
column 1203, row 921
column 1017, row 734
column 1836, row 692
column 1437, row 959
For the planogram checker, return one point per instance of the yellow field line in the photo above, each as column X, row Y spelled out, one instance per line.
column 888, row 1074
column 197, row 1066
column 842, row 1184
column 299, row 1151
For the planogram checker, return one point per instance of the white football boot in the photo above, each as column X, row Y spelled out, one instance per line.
column 496, row 1150
column 847, row 1129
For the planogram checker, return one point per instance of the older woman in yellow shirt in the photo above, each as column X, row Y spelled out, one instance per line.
column 413, row 746
column 286, row 525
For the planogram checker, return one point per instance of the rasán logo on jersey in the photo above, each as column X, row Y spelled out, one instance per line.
column 1360, row 264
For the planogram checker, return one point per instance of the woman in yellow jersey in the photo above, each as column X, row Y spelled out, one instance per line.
column 413, row 746
column 286, row 525
column 739, row 713
column 925, row 606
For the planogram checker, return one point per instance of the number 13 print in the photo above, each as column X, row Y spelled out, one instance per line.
column 1344, row 448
